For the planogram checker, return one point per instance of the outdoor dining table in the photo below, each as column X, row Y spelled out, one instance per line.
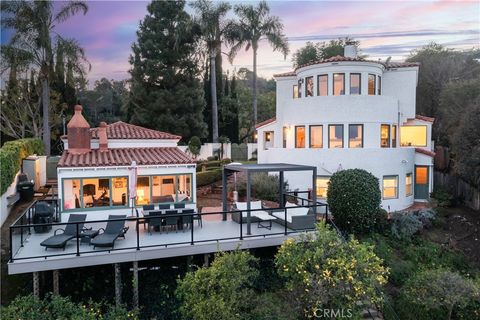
column 146, row 213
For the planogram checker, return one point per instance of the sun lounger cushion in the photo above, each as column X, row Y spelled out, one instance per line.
column 104, row 240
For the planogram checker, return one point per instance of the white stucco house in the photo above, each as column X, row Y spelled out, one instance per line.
column 347, row 112
column 95, row 169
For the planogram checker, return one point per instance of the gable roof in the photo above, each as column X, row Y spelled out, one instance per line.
column 125, row 156
column 123, row 130
column 264, row 123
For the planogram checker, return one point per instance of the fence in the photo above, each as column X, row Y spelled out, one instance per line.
column 460, row 189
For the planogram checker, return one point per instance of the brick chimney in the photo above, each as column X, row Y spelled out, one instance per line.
column 102, row 136
column 78, row 135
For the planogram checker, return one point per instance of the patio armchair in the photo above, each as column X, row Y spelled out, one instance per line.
column 114, row 229
column 171, row 222
column 59, row 240
column 155, row 221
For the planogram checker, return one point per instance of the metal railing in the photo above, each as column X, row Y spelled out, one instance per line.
column 17, row 231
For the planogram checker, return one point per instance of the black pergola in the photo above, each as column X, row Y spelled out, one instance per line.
column 264, row 167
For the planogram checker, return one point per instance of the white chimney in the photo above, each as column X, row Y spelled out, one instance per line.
column 350, row 51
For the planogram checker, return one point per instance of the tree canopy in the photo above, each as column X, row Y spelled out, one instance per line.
column 321, row 50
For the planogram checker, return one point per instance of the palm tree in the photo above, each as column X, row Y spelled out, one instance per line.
column 254, row 25
column 34, row 23
column 211, row 19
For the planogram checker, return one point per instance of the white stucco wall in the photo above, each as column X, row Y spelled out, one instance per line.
column 4, row 209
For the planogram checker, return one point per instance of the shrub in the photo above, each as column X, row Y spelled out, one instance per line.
column 264, row 186
column 208, row 177
column 426, row 217
column 11, row 155
column 212, row 158
column 324, row 272
column 222, row 291
column 381, row 224
column 354, row 199
column 442, row 197
column 225, row 161
column 194, row 146
column 405, row 225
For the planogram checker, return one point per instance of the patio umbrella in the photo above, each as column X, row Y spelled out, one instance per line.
column 132, row 183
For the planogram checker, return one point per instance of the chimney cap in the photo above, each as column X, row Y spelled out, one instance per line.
column 78, row 121
column 78, row 108
column 103, row 124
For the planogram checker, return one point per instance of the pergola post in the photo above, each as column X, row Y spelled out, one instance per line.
column 135, row 285
column 224, row 193
column 118, row 285
column 249, row 191
column 56, row 276
column 314, row 189
column 36, row 285
column 281, row 200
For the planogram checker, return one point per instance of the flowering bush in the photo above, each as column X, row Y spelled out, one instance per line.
column 325, row 272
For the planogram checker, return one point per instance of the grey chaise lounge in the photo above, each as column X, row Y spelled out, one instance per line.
column 60, row 240
column 112, row 231
column 298, row 218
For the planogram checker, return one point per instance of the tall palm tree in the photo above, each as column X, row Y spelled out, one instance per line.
column 211, row 19
column 254, row 25
column 34, row 24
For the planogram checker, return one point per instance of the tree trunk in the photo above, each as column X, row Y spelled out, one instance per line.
column 450, row 309
column 254, row 89
column 46, row 115
column 213, row 92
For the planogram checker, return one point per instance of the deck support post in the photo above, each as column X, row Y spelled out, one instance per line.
column 36, row 285
column 56, row 278
column 118, row 285
column 206, row 260
column 135, row 285
column 189, row 263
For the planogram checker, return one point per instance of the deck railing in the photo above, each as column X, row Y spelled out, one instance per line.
column 20, row 230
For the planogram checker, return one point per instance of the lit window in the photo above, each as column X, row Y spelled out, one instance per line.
column 119, row 191
column 390, row 187
column 371, row 84
column 385, row 136
column 394, row 136
column 316, row 136
column 355, row 136
column 414, row 136
column 285, row 132
column 379, row 86
column 323, row 85
column 71, row 194
column 143, row 190
column 335, row 136
column 408, row 184
column 300, row 88
column 309, row 87
column 338, row 84
column 322, row 186
column 268, row 140
column 300, row 137
column 295, row 91
column 355, row 83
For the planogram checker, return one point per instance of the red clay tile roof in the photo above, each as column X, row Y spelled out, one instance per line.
column 425, row 152
column 264, row 123
column 424, row 118
column 285, row 74
column 125, row 156
column 122, row 130
column 392, row 65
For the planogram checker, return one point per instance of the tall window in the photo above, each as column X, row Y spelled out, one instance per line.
column 119, row 191
column 408, row 184
column 164, row 189
column 295, row 91
column 322, row 85
column 355, row 136
column 394, row 136
column 299, row 91
column 300, row 137
column 338, row 84
column 355, row 83
column 335, row 136
column 385, row 136
column 371, row 84
column 322, row 186
column 268, row 139
column 379, row 86
column 316, row 136
column 414, row 136
column 285, row 133
column 390, row 187
column 309, row 87
column 143, row 190
column 71, row 194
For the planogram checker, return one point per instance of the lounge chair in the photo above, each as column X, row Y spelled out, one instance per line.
column 112, row 231
column 60, row 240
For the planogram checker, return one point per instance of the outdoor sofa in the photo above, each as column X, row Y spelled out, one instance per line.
column 298, row 218
column 254, row 215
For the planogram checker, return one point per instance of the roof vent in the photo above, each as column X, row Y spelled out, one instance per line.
column 78, row 135
column 350, row 51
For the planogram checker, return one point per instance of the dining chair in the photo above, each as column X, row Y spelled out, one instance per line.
column 171, row 222
column 187, row 216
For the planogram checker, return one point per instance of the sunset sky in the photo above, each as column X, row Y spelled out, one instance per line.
column 385, row 28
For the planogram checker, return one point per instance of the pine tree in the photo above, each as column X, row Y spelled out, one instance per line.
column 165, row 91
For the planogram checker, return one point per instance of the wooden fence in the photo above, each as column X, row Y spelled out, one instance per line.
column 460, row 189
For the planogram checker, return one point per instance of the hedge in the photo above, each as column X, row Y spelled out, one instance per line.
column 208, row 177
column 11, row 155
